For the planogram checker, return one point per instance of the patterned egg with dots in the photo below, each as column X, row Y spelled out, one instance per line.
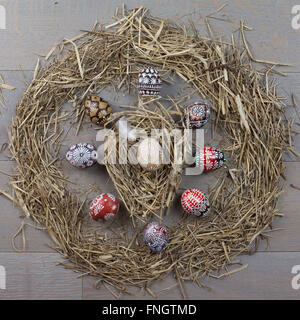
column 104, row 207
column 155, row 236
column 194, row 201
column 82, row 155
column 197, row 114
column 209, row 159
column 98, row 110
column 149, row 82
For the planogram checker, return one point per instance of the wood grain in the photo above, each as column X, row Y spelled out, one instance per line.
column 286, row 238
column 12, row 217
column 34, row 26
column 36, row 276
column 286, row 86
column 268, row 276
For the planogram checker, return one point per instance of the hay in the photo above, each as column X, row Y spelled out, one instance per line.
column 245, row 106
column 146, row 194
column 4, row 86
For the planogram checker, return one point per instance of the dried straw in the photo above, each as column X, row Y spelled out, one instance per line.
column 245, row 105
column 146, row 194
column 4, row 86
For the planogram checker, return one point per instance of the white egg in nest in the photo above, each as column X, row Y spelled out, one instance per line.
column 149, row 154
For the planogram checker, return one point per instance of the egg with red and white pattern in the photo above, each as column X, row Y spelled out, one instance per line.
column 82, row 155
column 155, row 236
column 209, row 159
column 194, row 201
column 104, row 207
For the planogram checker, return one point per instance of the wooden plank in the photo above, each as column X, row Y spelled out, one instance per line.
column 286, row 86
column 12, row 217
column 11, row 97
column 36, row 276
column 36, row 240
column 287, row 236
column 287, row 239
column 34, row 26
column 98, row 175
column 268, row 276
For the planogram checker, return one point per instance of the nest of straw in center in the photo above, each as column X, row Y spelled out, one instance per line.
column 245, row 106
column 146, row 194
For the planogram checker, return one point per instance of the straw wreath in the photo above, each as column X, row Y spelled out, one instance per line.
column 245, row 106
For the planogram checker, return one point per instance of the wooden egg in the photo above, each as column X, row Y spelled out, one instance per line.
column 209, row 159
column 97, row 110
column 194, row 201
column 149, row 82
column 149, row 154
column 104, row 207
column 155, row 237
column 82, row 155
column 197, row 114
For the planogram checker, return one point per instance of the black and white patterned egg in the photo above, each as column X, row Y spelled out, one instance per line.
column 149, row 82
column 155, row 236
column 82, row 155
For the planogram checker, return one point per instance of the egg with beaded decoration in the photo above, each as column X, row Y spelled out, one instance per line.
column 104, row 207
column 82, row 155
column 209, row 159
column 195, row 202
column 149, row 82
column 98, row 110
column 197, row 114
column 155, row 236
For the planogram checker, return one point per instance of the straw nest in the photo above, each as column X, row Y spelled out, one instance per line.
column 146, row 194
column 246, row 108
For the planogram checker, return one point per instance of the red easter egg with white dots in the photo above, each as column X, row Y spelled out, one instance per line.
column 104, row 207
column 209, row 159
column 194, row 201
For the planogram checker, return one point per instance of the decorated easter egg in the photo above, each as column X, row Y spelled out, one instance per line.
column 149, row 82
column 195, row 202
column 97, row 110
column 209, row 159
column 149, row 154
column 82, row 155
column 197, row 114
column 155, row 236
column 104, row 207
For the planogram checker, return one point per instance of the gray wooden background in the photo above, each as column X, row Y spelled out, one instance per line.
column 32, row 27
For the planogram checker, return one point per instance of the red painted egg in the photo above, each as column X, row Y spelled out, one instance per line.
column 209, row 159
column 194, row 201
column 104, row 207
